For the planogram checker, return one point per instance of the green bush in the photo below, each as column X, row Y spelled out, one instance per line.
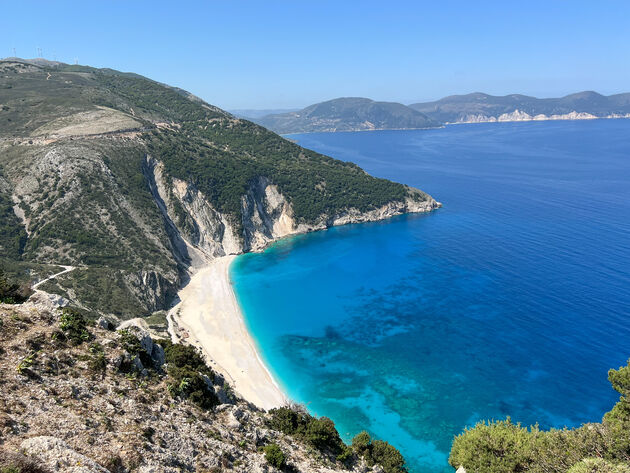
column 346, row 456
column 181, row 355
column 189, row 376
column 361, row 443
column 275, row 456
column 322, row 434
column 388, row 457
column 378, row 452
column 505, row 447
column 98, row 361
column 288, row 421
column 74, row 326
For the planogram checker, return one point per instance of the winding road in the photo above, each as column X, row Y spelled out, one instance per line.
column 66, row 269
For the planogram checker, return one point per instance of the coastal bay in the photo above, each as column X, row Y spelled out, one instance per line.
column 419, row 326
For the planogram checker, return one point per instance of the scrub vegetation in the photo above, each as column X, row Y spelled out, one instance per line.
column 504, row 446
column 322, row 435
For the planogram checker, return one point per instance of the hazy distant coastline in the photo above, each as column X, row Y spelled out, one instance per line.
column 362, row 114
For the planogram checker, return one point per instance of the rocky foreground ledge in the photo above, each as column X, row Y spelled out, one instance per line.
column 81, row 397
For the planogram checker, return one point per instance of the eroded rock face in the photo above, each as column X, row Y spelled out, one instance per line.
column 267, row 215
column 197, row 231
column 201, row 233
column 151, row 288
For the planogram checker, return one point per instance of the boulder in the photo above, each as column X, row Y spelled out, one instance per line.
column 105, row 324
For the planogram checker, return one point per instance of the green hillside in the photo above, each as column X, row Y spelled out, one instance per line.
column 74, row 144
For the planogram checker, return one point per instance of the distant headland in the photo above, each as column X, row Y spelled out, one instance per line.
column 362, row 114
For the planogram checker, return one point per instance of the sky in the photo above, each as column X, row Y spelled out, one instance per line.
column 289, row 54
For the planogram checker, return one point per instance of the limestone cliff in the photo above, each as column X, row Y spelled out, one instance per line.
column 201, row 233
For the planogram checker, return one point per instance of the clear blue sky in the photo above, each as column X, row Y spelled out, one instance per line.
column 279, row 54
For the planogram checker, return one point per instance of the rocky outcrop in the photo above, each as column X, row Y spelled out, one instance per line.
column 151, row 288
column 70, row 408
column 59, row 457
column 267, row 215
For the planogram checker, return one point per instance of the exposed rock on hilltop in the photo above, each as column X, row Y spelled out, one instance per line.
column 135, row 183
column 347, row 114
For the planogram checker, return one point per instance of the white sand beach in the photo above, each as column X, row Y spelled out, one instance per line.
column 209, row 316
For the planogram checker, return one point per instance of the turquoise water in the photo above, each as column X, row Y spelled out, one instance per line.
column 511, row 300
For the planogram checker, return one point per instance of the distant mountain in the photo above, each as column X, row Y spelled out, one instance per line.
column 252, row 113
column 479, row 107
column 348, row 114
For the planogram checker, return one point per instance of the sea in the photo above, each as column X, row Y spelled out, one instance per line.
column 513, row 299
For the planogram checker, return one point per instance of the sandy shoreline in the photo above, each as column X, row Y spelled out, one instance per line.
column 209, row 316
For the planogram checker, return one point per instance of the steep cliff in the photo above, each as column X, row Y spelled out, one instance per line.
column 202, row 233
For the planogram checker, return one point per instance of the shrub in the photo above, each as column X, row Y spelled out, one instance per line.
column 275, row 456
column 346, row 456
column 74, row 326
column 378, row 452
column 502, row 446
column 493, row 447
column 180, row 355
column 288, row 421
column 130, row 342
column 361, row 443
column 388, row 457
column 24, row 365
column 189, row 375
column 98, row 361
column 322, row 434
column 190, row 384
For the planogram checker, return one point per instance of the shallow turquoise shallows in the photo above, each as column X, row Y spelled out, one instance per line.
column 511, row 300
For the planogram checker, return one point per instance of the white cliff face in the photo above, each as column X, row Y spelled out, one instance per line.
column 200, row 233
column 267, row 215
column 521, row 116
column 210, row 232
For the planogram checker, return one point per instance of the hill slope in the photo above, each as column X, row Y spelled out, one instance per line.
column 479, row 107
column 135, row 183
column 347, row 114
column 81, row 398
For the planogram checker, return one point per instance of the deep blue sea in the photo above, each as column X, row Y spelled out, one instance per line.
column 511, row 300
